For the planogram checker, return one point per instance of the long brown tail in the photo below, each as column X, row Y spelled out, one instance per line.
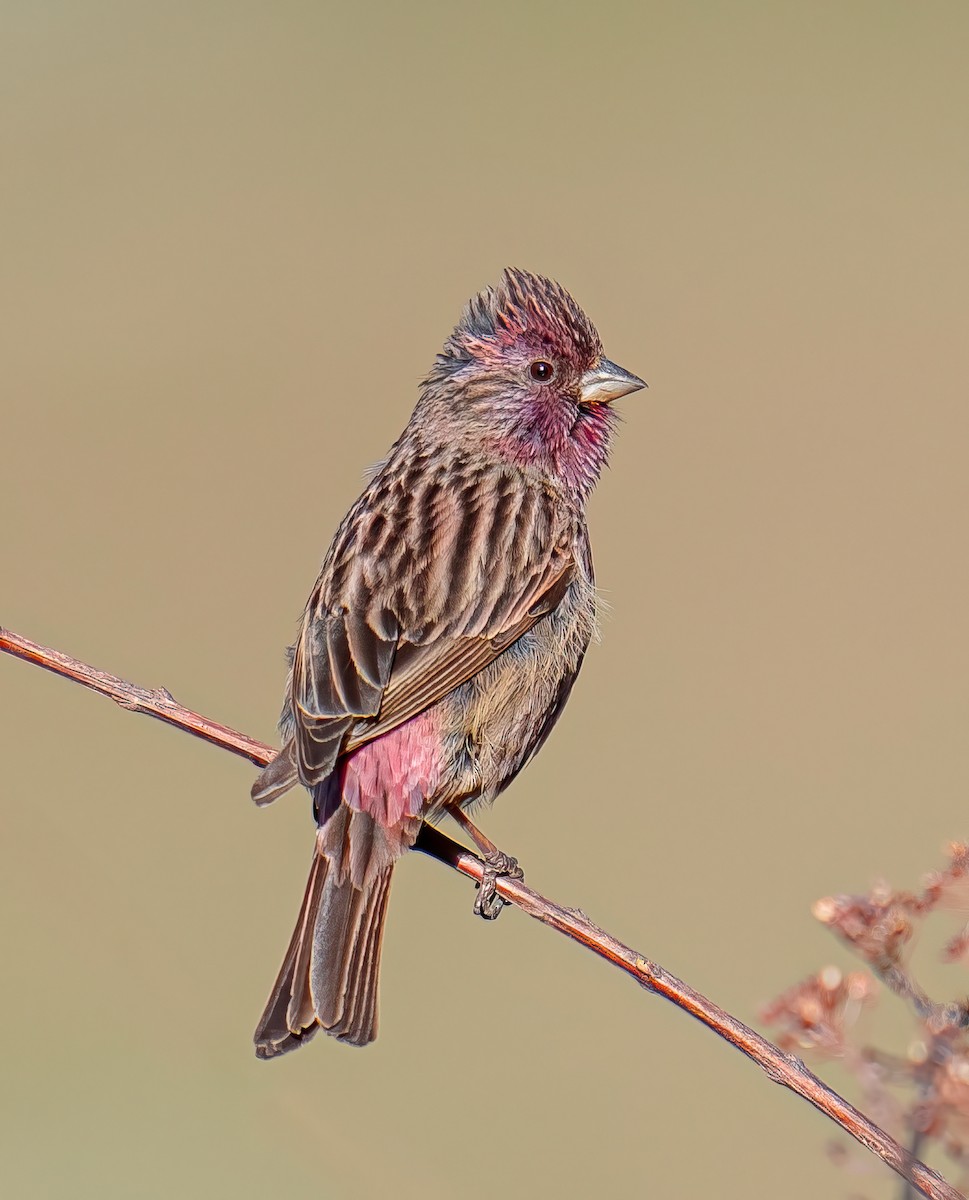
column 329, row 976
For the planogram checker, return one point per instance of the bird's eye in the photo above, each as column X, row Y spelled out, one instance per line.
column 541, row 371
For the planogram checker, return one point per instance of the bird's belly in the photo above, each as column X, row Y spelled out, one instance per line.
column 498, row 720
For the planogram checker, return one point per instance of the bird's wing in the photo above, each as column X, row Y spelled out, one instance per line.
column 424, row 674
column 429, row 579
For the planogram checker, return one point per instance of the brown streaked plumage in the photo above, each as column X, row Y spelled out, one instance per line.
column 444, row 633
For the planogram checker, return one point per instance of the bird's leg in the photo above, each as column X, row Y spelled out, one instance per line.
column 488, row 903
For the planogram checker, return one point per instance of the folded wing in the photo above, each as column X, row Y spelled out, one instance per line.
column 427, row 582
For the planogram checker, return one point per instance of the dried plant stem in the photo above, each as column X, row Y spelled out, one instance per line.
column 782, row 1068
column 937, row 1016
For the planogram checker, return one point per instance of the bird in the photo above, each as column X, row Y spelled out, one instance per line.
column 444, row 633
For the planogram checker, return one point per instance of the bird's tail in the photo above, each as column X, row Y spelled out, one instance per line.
column 329, row 976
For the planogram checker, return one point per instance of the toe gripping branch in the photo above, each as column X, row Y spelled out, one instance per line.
column 488, row 903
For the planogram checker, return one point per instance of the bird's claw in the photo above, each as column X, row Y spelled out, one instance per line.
column 488, row 903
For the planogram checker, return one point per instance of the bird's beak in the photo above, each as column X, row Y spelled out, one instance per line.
column 607, row 382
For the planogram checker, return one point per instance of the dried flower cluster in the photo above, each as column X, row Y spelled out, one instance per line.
column 921, row 1095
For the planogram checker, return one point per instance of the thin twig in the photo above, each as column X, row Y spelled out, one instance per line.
column 782, row 1068
column 938, row 1017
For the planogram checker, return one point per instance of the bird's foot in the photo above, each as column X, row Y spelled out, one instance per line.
column 488, row 903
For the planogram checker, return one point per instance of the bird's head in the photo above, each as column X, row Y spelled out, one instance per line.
column 523, row 376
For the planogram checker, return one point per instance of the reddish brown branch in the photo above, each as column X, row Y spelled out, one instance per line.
column 782, row 1068
column 158, row 703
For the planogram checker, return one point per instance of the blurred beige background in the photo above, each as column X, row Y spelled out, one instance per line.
column 233, row 238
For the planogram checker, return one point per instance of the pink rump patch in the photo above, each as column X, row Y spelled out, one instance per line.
column 392, row 776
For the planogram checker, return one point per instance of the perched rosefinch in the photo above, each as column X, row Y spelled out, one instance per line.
column 444, row 633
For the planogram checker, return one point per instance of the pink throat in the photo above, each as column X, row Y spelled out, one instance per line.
column 573, row 449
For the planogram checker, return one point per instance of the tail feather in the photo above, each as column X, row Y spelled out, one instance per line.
column 359, row 1020
column 299, row 1012
column 288, row 1022
column 330, row 973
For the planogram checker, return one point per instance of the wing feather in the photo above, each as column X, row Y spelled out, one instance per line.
column 432, row 575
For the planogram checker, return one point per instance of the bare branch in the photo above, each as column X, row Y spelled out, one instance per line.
column 780, row 1067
